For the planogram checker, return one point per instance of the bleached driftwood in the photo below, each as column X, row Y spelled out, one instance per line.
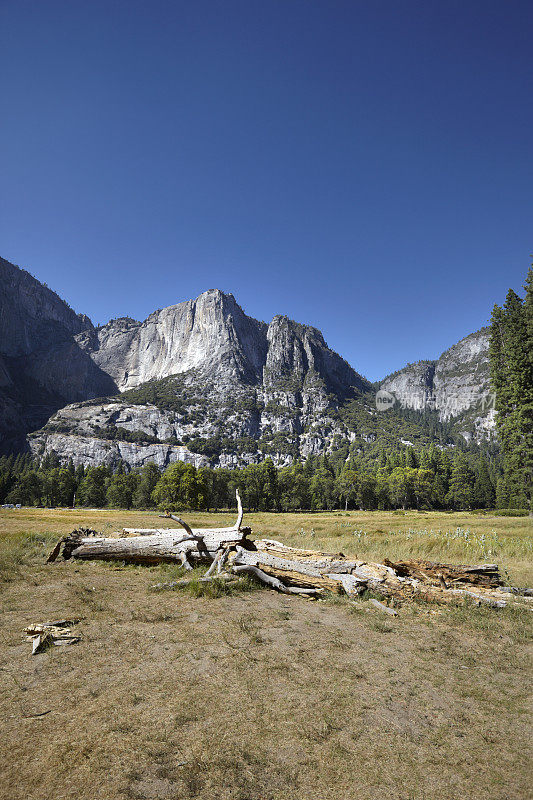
column 154, row 546
column 382, row 607
column 271, row 581
column 193, row 533
column 46, row 634
column 290, row 570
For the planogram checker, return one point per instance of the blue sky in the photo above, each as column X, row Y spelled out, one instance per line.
column 364, row 167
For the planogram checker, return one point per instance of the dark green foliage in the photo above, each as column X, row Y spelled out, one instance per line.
column 427, row 477
column 484, row 494
column 511, row 363
column 461, row 492
column 166, row 393
column 114, row 433
column 148, row 477
column 121, row 490
column 180, row 486
column 92, row 491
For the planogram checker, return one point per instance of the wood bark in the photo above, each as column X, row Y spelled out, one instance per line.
column 480, row 575
column 156, row 545
column 289, row 569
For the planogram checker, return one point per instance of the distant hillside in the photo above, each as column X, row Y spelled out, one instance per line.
column 456, row 386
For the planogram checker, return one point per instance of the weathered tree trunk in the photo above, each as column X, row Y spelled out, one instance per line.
column 289, row 569
column 325, row 571
column 153, row 546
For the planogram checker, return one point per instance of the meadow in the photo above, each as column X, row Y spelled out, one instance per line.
column 256, row 695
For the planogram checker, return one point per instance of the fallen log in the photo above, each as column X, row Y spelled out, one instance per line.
column 155, row 546
column 327, row 571
column 480, row 575
column 274, row 583
column 290, row 570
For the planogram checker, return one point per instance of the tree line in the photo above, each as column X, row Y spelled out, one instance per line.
column 425, row 478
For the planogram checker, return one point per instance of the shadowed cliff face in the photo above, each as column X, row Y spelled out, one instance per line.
column 41, row 365
column 31, row 314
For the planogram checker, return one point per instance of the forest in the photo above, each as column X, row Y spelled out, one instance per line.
column 426, row 478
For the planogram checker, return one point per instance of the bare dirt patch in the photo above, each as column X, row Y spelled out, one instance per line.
column 254, row 696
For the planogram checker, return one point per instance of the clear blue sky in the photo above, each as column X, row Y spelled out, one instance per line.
column 365, row 167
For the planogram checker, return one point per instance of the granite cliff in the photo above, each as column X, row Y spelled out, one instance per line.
column 201, row 381
column 42, row 367
column 203, row 372
column 211, row 335
column 456, row 386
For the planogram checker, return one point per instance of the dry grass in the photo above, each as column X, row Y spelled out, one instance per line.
column 375, row 535
column 257, row 696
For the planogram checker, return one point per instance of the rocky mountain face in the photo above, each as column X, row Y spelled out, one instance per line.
column 211, row 335
column 77, row 434
column 199, row 381
column 203, row 372
column 41, row 365
column 456, row 386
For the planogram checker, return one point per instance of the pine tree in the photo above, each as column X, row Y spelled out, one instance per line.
column 502, row 494
column 527, row 405
column 461, row 492
column 511, row 362
column 484, row 495
column 269, row 498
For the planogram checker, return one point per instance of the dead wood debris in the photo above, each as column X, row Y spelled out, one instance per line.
column 47, row 634
column 291, row 570
column 382, row 607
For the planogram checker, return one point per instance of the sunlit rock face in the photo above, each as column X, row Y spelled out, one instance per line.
column 230, row 376
column 202, row 381
column 462, row 379
column 211, row 334
column 457, row 386
column 96, row 452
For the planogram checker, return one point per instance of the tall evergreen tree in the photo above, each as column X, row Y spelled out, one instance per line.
column 511, row 362
column 461, row 492
column 527, row 405
column 484, row 495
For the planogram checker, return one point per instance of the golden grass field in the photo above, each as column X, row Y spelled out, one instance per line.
column 256, row 696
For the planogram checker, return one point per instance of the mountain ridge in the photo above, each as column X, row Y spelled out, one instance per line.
column 235, row 387
column 456, row 385
column 41, row 366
